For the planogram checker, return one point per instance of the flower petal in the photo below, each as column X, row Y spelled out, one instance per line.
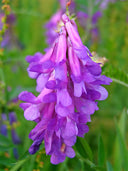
column 70, row 152
column 64, row 98
column 41, row 81
column 32, row 113
column 27, row 96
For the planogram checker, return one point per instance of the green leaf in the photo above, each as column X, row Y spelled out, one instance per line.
column 109, row 166
column 122, row 123
column 101, row 152
column 117, row 75
column 6, row 161
column 64, row 165
column 4, row 140
column 84, row 148
column 32, row 161
column 2, row 75
column 25, row 155
column 117, row 154
column 18, row 164
column 117, row 161
column 5, row 143
column 83, row 2
column 88, row 162
column 122, row 146
column 6, row 147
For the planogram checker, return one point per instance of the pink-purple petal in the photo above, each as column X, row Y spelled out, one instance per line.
column 70, row 152
column 32, row 113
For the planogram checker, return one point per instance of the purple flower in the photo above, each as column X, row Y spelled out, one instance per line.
column 83, row 20
column 63, row 4
column 10, row 40
column 69, row 85
column 3, row 127
column 4, row 130
column 51, row 27
column 94, row 34
column 83, row 17
column 13, row 119
column 96, row 17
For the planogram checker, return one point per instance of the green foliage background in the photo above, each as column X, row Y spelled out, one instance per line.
column 105, row 146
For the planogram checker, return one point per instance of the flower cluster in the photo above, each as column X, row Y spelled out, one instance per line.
column 69, row 83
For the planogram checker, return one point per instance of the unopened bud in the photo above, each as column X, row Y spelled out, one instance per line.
column 68, row 3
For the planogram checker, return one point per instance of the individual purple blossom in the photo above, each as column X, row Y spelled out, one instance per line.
column 94, row 34
column 3, row 127
column 69, row 85
column 96, row 17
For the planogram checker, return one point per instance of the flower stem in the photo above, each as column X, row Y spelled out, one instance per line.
column 120, row 82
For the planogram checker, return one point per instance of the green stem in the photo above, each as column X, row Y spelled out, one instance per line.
column 19, row 164
column 2, row 75
column 91, row 164
column 119, row 82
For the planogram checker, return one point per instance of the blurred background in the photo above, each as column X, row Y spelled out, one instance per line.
column 105, row 146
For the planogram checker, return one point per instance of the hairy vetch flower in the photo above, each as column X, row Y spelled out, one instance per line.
column 69, row 83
